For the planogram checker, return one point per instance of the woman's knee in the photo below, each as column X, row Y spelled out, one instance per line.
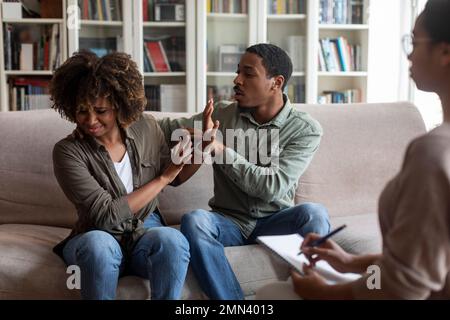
column 168, row 238
column 98, row 243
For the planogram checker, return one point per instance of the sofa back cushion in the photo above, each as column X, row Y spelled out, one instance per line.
column 29, row 192
column 361, row 149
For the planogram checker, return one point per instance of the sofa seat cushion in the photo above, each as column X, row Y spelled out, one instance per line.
column 30, row 270
column 28, row 267
column 362, row 234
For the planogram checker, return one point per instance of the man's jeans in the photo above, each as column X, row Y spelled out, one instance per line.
column 160, row 255
column 209, row 232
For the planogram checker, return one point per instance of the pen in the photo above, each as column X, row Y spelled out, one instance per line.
column 319, row 241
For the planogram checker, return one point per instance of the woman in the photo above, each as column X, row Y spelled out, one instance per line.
column 414, row 208
column 111, row 168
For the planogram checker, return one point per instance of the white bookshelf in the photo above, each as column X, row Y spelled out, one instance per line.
column 148, row 29
column 121, row 29
column 355, row 34
column 258, row 26
column 204, row 33
column 5, row 75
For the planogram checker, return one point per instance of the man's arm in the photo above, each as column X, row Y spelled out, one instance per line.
column 271, row 183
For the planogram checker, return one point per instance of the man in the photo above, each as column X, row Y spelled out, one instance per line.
column 251, row 198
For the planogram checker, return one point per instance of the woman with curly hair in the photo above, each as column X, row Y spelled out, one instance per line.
column 112, row 168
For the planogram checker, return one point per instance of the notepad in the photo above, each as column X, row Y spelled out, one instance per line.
column 287, row 248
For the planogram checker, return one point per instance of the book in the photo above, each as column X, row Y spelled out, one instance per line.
column 158, row 56
column 26, row 56
column 51, row 9
column 296, row 50
column 287, row 248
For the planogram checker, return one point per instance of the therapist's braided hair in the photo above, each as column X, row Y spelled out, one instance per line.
column 84, row 77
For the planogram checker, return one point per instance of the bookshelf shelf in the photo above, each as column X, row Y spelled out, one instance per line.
column 168, row 24
column 342, row 74
column 298, row 74
column 275, row 17
column 28, row 72
column 227, row 16
column 164, row 74
column 344, row 27
column 221, row 74
column 33, row 21
column 101, row 23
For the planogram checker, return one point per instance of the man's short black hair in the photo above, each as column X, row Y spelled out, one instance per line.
column 274, row 59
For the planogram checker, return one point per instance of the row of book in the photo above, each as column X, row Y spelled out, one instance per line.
column 226, row 6
column 345, row 96
column 341, row 11
column 166, row 97
column 102, row 10
column 296, row 93
column 32, row 48
column 163, row 10
column 28, row 94
column 286, row 6
column 296, row 49
column 337, row 55
column 165, row 55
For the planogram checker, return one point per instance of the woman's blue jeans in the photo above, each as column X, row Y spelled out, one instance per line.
column 160, row 255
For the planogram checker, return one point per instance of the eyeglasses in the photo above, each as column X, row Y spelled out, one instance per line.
column 409, row 43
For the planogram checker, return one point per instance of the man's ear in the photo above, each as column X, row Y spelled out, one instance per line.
column 278, row 82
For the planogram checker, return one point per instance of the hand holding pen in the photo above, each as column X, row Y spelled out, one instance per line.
column 316, row 247
column 318, row 241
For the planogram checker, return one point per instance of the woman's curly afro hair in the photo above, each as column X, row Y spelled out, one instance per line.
column 84, row 77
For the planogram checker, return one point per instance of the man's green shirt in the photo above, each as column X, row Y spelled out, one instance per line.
column 247, row 187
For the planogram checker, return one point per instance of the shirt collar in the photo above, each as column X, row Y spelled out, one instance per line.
column 279, row 119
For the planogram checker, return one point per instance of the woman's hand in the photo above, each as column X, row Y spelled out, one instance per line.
column 309, row 286
column 329, row 251
column 181, row 154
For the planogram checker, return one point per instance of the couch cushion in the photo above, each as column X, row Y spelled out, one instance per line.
column 30, row 270
column 362, row 234
column 339, row 175
column 28, row 267
column 362, row 148
column 29, row 192
column 193, row 194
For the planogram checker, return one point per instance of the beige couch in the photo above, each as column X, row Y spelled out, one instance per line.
column 362, row 147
